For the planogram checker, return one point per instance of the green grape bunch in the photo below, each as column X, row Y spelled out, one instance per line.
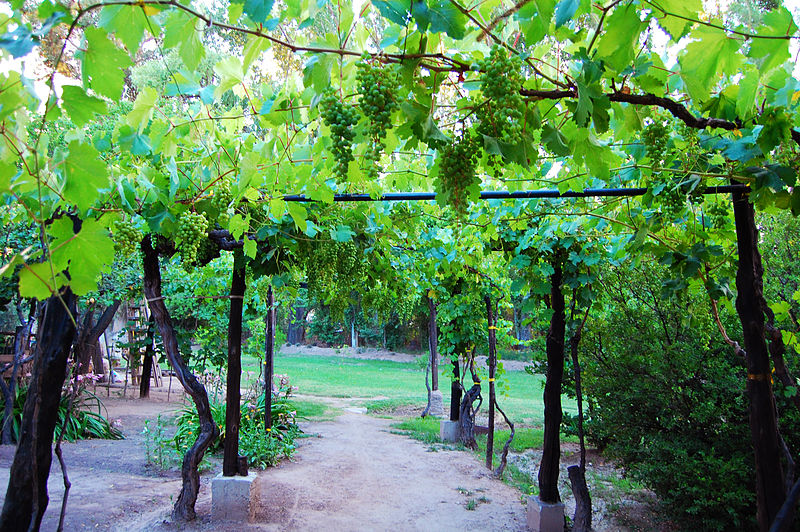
column 501, row 116
column 192, row 227
column 457, row 162
column 341, row 119
column 655, row 137
column 377, row 87
column 222, row 199
column 332, row 269
column 126, row 236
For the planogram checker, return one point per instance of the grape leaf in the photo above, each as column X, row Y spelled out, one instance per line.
column 127, row 23
column 619, row 43
column 103, row 64
column 710, row 53
column 85, row 174
column 142, row 110
column 565, row 11
column 81, row 107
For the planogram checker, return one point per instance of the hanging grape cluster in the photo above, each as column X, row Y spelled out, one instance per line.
column 126, row 236
column 501, row 79
column 340, row 118
column 457, row 161
column 333, row 269
column 377, row 85
column 671, row 198
column 192, row 227
column 221, row 200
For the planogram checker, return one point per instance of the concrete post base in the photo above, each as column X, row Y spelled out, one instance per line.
column 450, row 431
column 437, row 404
column 234, row 498
column 545, row 517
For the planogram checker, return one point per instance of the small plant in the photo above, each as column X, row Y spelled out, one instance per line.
column 471, row 504
column 158, row 447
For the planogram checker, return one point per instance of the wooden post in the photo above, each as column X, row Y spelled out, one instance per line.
column 492, row 363
column 551, row 449
column 269, row 356
column 455, row 392
column 770, row 487
column 433, row 344
column 230, row 458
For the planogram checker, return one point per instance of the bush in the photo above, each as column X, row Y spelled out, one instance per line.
column 261, row 450
column 85, row 421
column 666, row 397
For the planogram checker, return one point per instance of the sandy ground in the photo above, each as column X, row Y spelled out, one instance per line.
column 352, row 474
column 369, row 353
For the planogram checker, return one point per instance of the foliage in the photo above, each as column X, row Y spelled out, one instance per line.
column 263, row 448
column 666, row 398
column 85, row 420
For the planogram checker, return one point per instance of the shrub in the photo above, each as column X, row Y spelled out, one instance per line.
column 261, row 447
column 86, row 419
column 666, row 397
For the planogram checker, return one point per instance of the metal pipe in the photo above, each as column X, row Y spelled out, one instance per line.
column 505, row 194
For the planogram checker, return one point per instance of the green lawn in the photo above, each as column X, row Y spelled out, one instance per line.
column 401, row 383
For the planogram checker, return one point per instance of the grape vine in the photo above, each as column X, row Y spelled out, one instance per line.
column 457, row 181
column 377, row 84
column 501, row 78
column 332, row 269
column 126, row 236
column 222, row 199
column 192, row 227
column 340, row 118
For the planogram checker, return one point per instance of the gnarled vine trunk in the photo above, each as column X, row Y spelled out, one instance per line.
column 26, row 497
column 770, row 487
column 551, row 450
column 147, row 365
column 183, row 510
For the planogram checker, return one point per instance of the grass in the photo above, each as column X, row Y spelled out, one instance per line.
column 309, row 410
column 397, row 383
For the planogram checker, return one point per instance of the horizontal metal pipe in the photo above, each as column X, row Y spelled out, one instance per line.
column 505, row 194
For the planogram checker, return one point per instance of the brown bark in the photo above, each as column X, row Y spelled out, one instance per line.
column 269, row 357
column 26, row 497
column 551, row 450
column 770, row 487
column 183, row 510
column 582, row 520
column 233, row 416
column 87, row 344
column 466, row 418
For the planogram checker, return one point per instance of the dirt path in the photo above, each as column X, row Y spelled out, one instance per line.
column 354, row 474
column 351, row 474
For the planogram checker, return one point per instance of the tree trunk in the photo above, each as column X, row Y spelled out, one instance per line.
column 233, row 417
column 582, row 520
column 433, row 344
column 297, row 321
column 147, row 365
column 26, row 497
column 21, row 341
column 184, row 505
column 551, row 450
column 492, row 363
column 353, row 334
column 87, row 344
column 269, row 358
column 467, row 418
column 770, row 488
